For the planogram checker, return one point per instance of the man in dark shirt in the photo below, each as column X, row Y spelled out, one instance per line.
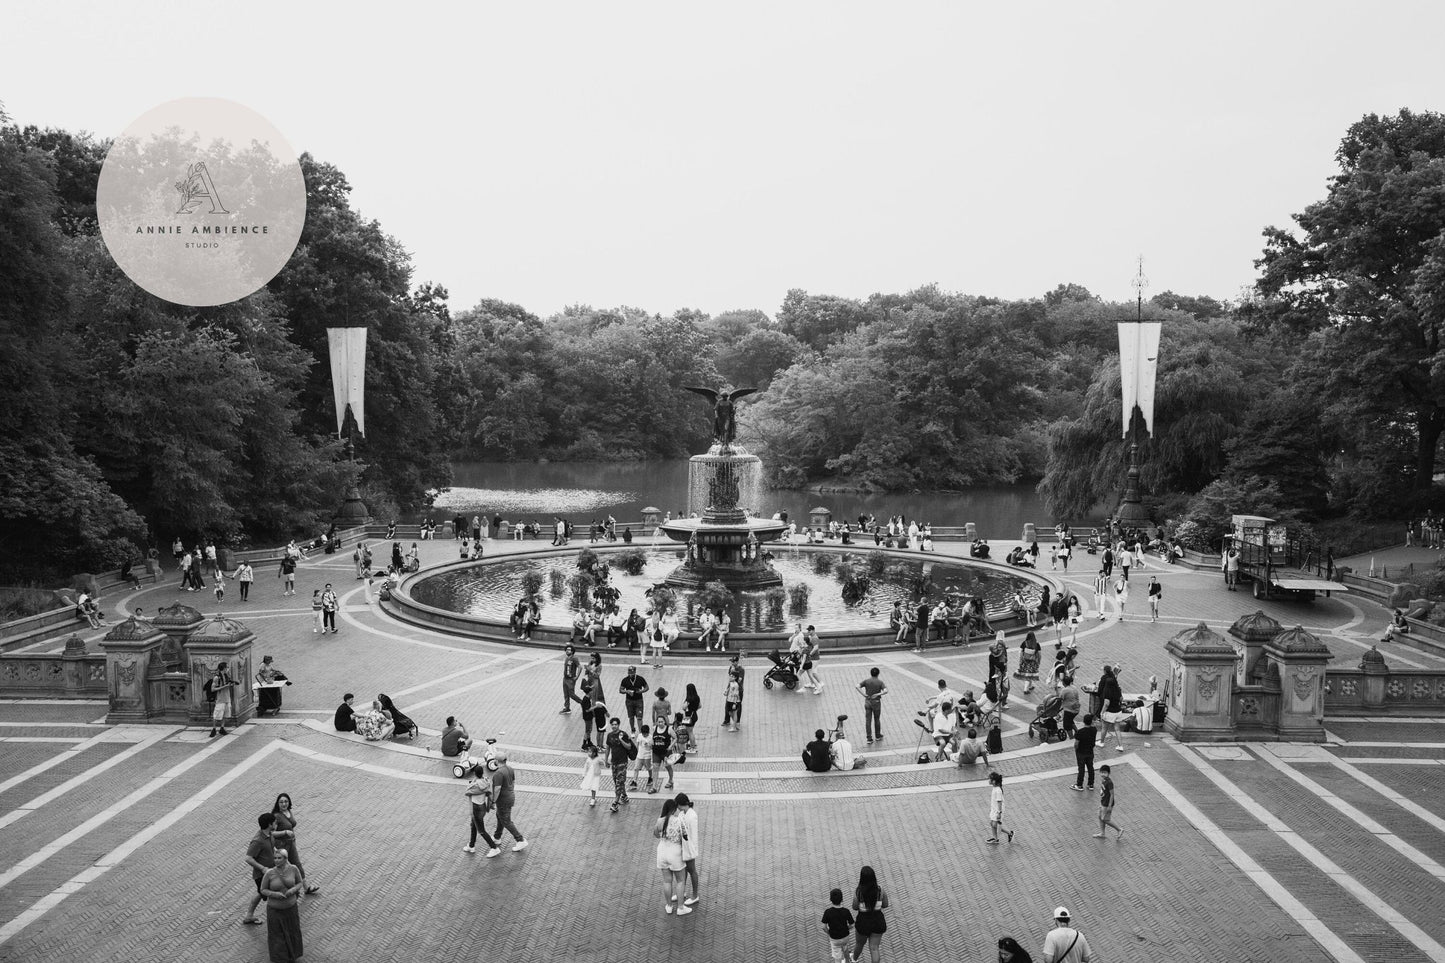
column 455, row 740
column 1084, row 739
column 633, row 688
column 345, row 717
column 571, row 668
column 873, row 691
column 920, row 624
column 504, row 796
column 619, row 751
column 261, row 857
column 818, row 756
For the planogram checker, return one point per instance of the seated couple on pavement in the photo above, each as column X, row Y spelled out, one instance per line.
column 380, row 721
column 831, row 750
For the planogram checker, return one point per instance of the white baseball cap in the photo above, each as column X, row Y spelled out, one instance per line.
column 1061, row 913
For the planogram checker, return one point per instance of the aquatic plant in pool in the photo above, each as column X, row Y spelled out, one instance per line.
column 490, row 590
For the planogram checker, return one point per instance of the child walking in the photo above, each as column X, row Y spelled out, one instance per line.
column 838, row 924
column 1106, row 804
column 592, row 774
column 734, row 710
column 995, row 809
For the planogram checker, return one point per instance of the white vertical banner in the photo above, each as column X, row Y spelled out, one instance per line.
column 1138, row 363
column 348, row 373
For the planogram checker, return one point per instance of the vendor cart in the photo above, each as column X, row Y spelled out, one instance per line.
column 1278, row 564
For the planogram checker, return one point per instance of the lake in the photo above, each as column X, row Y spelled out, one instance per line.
column 581, row 491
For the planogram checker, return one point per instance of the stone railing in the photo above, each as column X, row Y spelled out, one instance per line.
column 72, row 674
column 1375, row 589
column 1255, row 711
column 1376, row 689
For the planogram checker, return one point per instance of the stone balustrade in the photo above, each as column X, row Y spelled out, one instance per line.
column 72, row 674
column 1373, row 688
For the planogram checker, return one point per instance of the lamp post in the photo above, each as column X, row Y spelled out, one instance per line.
column 1138, row 361
column 348, row 383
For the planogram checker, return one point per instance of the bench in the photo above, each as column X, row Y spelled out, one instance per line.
column 40, row 628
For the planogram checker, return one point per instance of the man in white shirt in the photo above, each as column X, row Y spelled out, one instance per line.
column 1064, row 944
column 842, row 752
column 945, row 694
column 1126, row 560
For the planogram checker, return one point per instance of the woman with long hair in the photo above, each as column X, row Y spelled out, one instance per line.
column 283, row 830
column 402, row 721
column 669, row 832
column 869, row 902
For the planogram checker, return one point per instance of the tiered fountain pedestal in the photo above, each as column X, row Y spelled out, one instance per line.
column 725, row 544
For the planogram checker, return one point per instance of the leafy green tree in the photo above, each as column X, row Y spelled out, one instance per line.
column 821, row 319
column 57, row 514
column 1279, row 443
column 1363, row 278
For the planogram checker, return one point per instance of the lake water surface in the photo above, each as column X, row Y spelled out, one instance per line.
column 581, row 491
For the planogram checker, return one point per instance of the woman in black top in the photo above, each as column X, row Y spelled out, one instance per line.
column 403, row 722
column 692, row 702
column 869, row 902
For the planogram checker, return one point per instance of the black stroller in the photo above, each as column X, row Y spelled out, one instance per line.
column 1046, row 720
column 784, row 671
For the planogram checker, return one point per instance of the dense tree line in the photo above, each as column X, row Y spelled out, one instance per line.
column 130, row 420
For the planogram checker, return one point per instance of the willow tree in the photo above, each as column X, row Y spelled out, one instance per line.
column 1208, row 375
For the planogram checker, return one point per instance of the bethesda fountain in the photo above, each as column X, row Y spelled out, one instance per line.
column 725, row 543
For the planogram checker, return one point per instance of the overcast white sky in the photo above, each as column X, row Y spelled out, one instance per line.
column 669, row 155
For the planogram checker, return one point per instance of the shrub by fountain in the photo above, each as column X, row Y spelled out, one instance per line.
column 775, row 598
column 823, row 563
column 632, row 561
column 586, row 559
column 798, row 598
column 559, row 582
column 532, row 583
column 581, row 586
column 664, row 599
column 714, row 596
column 877, row 563
column 855, row 585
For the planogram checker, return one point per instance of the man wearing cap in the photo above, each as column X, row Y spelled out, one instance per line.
column 1064, row 944
column 503, row 781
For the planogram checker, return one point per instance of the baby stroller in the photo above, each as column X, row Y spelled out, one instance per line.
column 1046, row 720
column 784, row 671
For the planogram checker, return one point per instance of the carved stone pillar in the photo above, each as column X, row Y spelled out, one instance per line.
column 220, row 640
column 1301, row 659
column 1201, row 666
column 1248, row 636
column 177, row 622
column 1377, row 674
column 129, row 649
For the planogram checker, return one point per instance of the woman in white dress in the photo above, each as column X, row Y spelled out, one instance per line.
column 671, row 629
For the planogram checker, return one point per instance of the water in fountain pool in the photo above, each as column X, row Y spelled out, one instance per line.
column 492, row 589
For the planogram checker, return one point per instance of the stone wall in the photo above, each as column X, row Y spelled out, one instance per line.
column 1373, row 688
column 73, row 674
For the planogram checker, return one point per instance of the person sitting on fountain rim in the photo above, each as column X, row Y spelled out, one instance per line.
column 971, row 750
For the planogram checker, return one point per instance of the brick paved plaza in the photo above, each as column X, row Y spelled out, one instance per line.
column 126, row 843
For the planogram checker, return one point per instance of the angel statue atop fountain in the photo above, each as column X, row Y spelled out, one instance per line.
column 724, row 422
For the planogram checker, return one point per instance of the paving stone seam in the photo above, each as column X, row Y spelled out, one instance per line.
column 79, row 779
column 1328, row 940
column 112, row 859
column 1332, row 870
column 106, row 815
column 1380, row 831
